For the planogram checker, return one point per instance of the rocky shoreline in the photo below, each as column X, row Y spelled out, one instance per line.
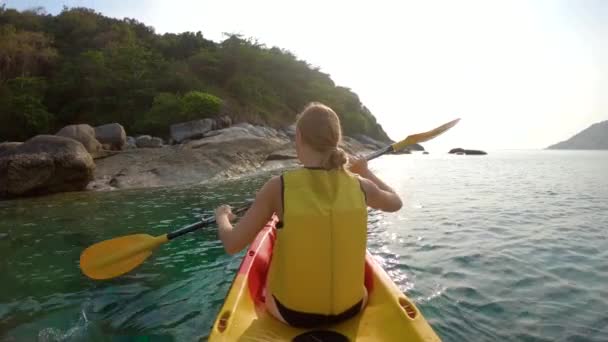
column 50, row 164
column 227, row 153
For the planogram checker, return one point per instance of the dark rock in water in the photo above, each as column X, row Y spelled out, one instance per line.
column 45, row 164
column 191, row 130
column 415, row 147
column 84, row 134
column 112, row 134
column 425, row 152
column 456, row 150
column 595, row 137
column 148, row 141
column 461, row 151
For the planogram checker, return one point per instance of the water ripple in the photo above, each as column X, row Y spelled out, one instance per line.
column 512, row 247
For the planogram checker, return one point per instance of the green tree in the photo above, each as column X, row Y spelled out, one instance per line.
column 22, row 113
column 166, row 109
column 198, row 105
column 101, row 69
column 24, row 53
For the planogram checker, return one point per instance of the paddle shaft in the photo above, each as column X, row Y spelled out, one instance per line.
column 198, row 225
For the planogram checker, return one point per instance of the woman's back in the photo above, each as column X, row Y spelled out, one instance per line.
column 324, row 211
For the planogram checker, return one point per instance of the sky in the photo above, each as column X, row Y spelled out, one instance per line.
column 520, row 74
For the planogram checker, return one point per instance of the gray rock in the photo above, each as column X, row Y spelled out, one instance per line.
column 284, row 154
column 290, row 131
column 191, row 130
column 112, row 134
column 461, row 151
column 148, row 141
column 84, row 134
column 223, row 121
column 45, row 164
column 131, row 143
column 7, row 146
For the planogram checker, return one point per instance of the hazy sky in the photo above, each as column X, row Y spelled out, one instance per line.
column 520, row 74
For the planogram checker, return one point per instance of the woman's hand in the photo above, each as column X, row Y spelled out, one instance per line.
column 224, row 212
column 358, row 165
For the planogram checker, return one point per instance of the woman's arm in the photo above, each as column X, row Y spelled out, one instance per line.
column 377, row 193
column 237, row 238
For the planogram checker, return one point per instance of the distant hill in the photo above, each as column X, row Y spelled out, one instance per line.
column 593, row 138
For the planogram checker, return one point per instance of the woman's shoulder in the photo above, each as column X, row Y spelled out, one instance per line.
column 272, row 186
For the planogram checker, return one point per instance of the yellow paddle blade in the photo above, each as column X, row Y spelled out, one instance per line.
column 422, row 137
column 114, row 257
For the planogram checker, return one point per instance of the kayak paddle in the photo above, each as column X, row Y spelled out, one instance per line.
column 115, row 257
column 112, row 258
column 413, row 139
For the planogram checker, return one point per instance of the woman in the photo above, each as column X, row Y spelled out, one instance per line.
column 322, row 207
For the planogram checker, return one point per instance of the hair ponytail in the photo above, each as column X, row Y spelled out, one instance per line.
column 336, row 159
column 320, row 129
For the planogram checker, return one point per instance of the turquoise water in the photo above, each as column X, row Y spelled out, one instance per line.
column 512, row 246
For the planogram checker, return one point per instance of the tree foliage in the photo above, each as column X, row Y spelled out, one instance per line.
column 89, row 68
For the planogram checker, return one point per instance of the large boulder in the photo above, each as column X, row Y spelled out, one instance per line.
column 112, row 134
column 45, row 164
column 84, row 134
column 148, row 141
column 191, row 130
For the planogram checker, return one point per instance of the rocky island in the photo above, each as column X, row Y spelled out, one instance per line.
column 595, row 137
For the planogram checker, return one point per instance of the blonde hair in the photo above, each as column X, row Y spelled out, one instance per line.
column 319, row 127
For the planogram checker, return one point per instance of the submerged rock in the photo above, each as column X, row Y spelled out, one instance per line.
column 45, row 164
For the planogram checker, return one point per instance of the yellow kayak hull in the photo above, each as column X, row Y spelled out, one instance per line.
column 388, row 316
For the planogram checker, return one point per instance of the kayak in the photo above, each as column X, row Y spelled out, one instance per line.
column 388, row 316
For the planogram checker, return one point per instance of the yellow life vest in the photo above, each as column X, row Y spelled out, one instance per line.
column 318, row 259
